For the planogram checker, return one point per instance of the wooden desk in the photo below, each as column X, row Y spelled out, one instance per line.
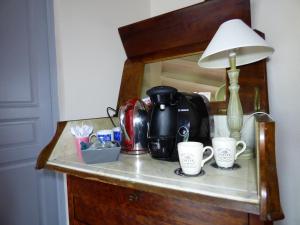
column 140, row 188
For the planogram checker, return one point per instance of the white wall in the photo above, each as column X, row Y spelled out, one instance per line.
column 162, row 6
column 280, row 21
column 90, row 54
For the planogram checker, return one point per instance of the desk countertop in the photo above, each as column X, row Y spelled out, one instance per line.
column 239, row 185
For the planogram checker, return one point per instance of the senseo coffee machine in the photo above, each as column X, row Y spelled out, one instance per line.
column 176, row 117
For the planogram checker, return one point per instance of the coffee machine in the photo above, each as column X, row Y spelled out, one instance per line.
column 176, row 117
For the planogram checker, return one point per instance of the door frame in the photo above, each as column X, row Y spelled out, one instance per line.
column 60, row 179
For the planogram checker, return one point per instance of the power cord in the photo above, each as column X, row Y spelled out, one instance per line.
column 108, row 109
column 255, row 113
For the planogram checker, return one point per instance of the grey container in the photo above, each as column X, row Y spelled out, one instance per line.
column 101, row 155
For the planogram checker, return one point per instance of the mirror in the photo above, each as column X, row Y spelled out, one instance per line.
column 184, row 74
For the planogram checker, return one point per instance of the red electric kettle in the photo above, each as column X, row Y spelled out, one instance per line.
column 133, row 117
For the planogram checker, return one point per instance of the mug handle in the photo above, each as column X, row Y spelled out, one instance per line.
column 91, row 136
column 242, row 150
column 209, row 157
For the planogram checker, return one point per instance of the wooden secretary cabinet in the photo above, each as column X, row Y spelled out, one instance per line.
column 115, row 205
column 95, row 200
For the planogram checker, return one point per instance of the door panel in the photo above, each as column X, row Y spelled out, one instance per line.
column 15, row 28
column 15, row 32
column 27, row 114
column 16, row 179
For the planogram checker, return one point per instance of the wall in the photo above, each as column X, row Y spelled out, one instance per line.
column 90, row 55
column 280, row 21
column 158, row 6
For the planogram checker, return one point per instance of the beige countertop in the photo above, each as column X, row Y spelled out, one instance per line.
column 238, row 185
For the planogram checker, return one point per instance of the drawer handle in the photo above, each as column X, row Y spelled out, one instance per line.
column 133, row 197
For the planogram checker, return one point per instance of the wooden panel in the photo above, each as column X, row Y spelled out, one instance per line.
column 182, row 27
column 131, row 82
column 255, row 220
column 76, row 222
column 46, row 152
column 253, row 76
column 188, row 31
column 70, row 202
column 270, row 207
column 98, row 203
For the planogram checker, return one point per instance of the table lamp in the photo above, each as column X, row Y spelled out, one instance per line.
column 234, row 44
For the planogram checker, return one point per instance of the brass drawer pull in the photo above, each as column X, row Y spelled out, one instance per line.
column 133, row 197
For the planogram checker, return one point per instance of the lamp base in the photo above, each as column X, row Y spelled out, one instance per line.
column 234, row 110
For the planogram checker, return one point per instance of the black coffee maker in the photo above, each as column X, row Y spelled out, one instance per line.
column 176, row 117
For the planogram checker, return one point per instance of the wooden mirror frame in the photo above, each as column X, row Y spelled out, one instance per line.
column 184, row 32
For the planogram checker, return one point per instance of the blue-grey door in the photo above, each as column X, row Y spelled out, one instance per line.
column 27, row 113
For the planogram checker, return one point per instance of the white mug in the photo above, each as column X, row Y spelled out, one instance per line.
column 225, row 150
column 191, row 156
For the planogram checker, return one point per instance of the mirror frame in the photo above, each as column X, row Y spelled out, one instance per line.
column 184, row 32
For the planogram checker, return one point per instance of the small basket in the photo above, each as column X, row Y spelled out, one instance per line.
column 101, row 155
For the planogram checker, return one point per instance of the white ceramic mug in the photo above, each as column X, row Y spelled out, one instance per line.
column 191, row 156
column 225, row 150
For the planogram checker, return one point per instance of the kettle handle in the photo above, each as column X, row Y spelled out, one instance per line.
column 122, row 121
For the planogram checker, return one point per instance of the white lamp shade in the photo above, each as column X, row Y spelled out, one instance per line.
column 234, row 35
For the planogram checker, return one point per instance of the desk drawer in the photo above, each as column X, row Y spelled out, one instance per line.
column 92, row 202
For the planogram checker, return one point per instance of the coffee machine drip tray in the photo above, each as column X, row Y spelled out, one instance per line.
column 161, row 148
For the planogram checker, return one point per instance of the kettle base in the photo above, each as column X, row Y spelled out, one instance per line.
column 134, row 152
